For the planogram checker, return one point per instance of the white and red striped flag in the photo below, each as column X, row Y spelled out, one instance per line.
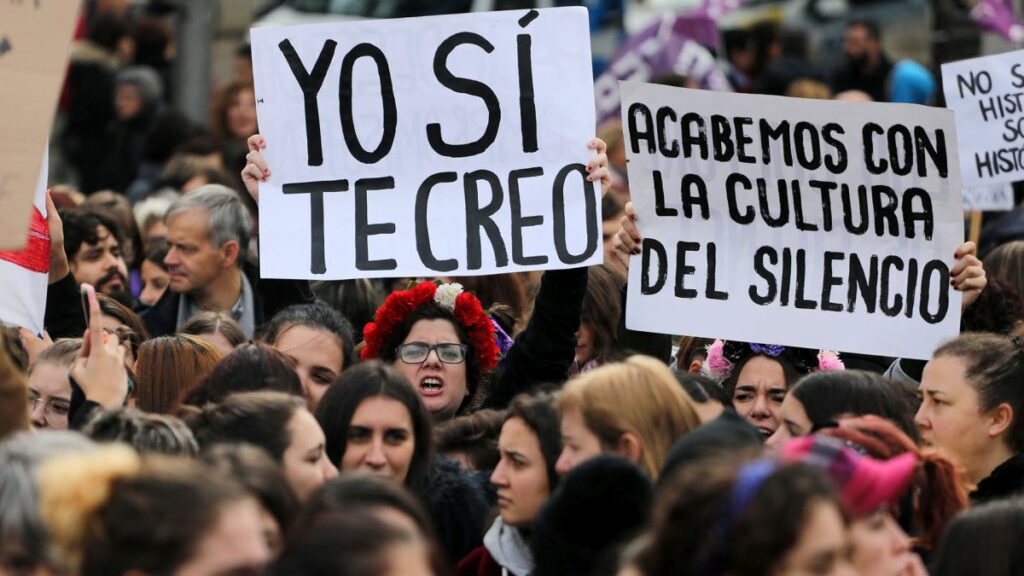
column 24, row 273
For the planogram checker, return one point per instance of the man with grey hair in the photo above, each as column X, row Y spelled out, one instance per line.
column 208, row 234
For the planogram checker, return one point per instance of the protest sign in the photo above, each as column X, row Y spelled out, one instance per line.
column 427, row 146
column 996, row 197
column 24, row 273
column 795, row 222
column 987, row 96
column 34, row 40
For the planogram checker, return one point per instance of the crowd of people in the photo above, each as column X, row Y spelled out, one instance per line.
column 195, row 419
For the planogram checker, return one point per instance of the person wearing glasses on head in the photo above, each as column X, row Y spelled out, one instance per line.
column 49, row 391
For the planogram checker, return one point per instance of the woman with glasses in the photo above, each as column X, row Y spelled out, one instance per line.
column 49, row 390
column 374, row 421
column 441, row 340
column 430, row 315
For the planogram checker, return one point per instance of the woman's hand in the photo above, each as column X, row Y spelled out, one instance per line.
column 968, row 274
column 598, row 166
column 99, row 369
column 58, row 259
column 33, row 344
column 255, row 170
column 627, row 240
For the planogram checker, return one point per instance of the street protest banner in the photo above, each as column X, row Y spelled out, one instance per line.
column 795, row 222
column 987, row 96
column 427, row 146
column 24, row 273
column 34, row 40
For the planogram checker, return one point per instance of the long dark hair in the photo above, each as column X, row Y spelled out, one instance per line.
column 685, row 538
column 257, row 418
column 249, row 368
column 983, row 540
column 827, row 395
column 317, row 316
column 370, row 380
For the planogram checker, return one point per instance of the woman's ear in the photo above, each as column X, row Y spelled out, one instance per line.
column 629, row 447
column 1000, row 419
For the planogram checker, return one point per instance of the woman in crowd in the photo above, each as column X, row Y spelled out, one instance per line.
column 1006, row 263
column 49, row 391
column 820, row 399
column 317, row 339
column 249, row 368
column 634, row 409
column 119, row 319
column 937, row 491
column 24, row 539
column 984, row 540
column 233, row 118
column 168, row 367
column 760, row 517
column 145, row 432
column 354, row 544
column 359, row 493
column 278, row 423
column 257, row 472
column 525, row 477
column 599, row 320
column 153, row 274
column 411, row 324
column 375, row 421
column 757, row 376
column 972, row 408
column 868, row 489
column 217, row 328
column 114, row 513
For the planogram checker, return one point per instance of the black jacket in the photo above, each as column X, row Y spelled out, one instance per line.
column 1006, row 481
column 269, row 298
column 543, row 352
column 64, row 317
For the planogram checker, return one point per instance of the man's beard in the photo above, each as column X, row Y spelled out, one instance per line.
column 123, row 294
column 859, row 63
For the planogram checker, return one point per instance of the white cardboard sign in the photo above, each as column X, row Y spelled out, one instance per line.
column 796, row 222
column 997, row 197
column 987, row 96
column 427, row 146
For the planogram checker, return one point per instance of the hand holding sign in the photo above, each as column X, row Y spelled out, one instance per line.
column 256, row 169
column 968, row 274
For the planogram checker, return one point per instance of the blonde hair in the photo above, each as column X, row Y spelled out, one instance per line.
column 639, row 396
column 73, row 488
column 113, row 511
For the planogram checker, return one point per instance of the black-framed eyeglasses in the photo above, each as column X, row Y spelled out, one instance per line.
column 447, row 352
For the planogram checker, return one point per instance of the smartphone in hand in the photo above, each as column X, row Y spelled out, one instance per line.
column 85, row 304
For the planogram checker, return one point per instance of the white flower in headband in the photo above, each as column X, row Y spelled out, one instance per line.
column 446, row 294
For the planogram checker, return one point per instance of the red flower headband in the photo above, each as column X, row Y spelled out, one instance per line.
column 464, row 306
